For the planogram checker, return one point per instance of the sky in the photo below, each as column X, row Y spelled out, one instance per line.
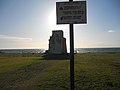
column 29, row 24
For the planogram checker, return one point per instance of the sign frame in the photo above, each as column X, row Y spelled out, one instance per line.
column 71, row 12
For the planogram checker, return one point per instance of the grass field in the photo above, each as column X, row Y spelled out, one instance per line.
column 98, row 71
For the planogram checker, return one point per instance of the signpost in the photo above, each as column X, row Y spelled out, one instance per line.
column 72, row 12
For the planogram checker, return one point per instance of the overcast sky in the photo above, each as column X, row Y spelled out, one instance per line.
column 29, row 24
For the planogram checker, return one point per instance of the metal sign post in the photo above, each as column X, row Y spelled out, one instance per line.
column 71, row 57
column 72, row 12
column 71, row 26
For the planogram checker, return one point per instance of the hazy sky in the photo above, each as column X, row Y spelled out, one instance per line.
column 29, row 24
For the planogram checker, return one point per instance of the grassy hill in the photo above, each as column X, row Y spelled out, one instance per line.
column 99, row 71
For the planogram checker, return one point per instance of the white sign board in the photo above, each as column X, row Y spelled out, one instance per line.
column 71, row 12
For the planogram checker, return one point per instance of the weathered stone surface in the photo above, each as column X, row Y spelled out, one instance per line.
column 57, row 43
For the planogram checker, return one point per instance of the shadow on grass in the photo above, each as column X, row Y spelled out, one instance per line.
column 55, row 57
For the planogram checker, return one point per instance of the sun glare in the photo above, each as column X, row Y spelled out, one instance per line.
column 52, row 19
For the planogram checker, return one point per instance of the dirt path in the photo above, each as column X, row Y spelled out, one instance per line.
column 25, row 76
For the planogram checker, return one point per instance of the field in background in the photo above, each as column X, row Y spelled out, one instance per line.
column 98, row 71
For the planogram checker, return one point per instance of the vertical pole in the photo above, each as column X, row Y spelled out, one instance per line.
column 71, row 57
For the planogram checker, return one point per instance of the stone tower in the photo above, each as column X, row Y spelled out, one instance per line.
column 57, row 43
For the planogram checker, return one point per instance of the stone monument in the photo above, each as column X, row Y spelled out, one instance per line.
column 57, row 43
